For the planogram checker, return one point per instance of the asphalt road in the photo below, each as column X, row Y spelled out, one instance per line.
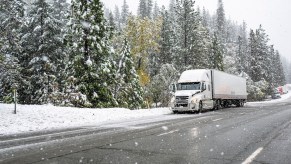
column 259, row 134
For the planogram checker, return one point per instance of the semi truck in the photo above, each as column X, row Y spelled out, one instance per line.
column 204, row 89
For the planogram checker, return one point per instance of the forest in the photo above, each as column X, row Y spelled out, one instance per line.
column 82, row 54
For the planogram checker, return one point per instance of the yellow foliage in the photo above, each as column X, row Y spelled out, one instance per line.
column 143, row 77
column 144, row 37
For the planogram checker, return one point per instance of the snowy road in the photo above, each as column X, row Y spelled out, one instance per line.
column 257, row 133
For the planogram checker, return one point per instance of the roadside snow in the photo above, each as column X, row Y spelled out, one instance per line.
column 283, row 98
column 47, row 117
column 30, row 118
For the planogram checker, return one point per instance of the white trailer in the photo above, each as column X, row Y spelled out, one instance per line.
column 203, row 89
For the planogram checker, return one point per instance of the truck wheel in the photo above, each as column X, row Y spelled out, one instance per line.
column 217, row 105
column 200, row 108
column 238, row 103
column 242, row 104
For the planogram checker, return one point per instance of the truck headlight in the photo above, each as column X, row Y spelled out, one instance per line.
column 173, row 99
column 193, row 101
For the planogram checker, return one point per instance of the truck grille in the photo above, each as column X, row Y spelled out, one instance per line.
column 182, row 101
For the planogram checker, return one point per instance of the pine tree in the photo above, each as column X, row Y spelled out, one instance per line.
column 159, row 86
column 142, row 9
column 11, row 18
column 187, row 22
column 92, row 66
column 156, row 11
column 243, row 58
column 205, row 18
column 41, row 55
column 279, row 78
column 259, row 54
column 128, row 91
column 117, row 18
column 61, row 12
column 216, row 54
column 149, row 9
column 124, row 13
column 221, row 21
column 167, row 40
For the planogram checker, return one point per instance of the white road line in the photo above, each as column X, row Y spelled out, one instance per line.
column 170, row 132
column 217, row 119
column 253, row 156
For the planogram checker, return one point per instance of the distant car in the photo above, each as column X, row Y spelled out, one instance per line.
column 276, row 96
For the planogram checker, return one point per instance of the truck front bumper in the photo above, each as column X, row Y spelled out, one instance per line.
column 184, row 108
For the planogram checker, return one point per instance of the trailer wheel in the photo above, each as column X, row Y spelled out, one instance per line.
column 242, row 104
column 238, row 103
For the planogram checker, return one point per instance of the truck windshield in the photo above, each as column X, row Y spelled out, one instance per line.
column 188, row 86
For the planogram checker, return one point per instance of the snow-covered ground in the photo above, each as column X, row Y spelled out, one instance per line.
column 283, row 98
column 31, row 118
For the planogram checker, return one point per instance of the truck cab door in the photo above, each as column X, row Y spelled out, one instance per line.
column 207, row 95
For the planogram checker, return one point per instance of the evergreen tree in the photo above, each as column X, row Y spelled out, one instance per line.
column 221, row 21
column 159, row 86
column 142, row 9
column 243, row 58
column 187, row 23
column 117, row 18
column 124, row 13
column 149, row 8
column 111, row 22
column 128, row 91
column 167, row 40
column 41, row 56
column 92, row 66
column 156, row 11
column 61, row 12
column 216, row 57
column 259, row 55
column 11, row 18
column 279, row 70
column 205, row 18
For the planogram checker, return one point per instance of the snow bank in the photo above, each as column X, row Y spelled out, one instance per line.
column 283, row 98
column 47, row 117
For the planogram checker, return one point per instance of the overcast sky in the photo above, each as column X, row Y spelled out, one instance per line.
column 274, row 15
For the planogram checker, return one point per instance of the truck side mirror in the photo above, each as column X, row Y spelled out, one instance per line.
column 173, row 88
column 203, row 86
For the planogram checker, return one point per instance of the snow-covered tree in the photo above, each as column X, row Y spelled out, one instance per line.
column 117, row 18
column 159, row 86
column 187, row 23
column 216, row 57
column 220, row 21
column 41, row 56
column 258, row 49
column 142, row 8
column 167, row 41
column 92, row 65
column 156, row 11
column 124, row 13
column 11, row 18
column 128, row 90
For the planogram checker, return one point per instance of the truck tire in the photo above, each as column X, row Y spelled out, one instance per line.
column 175, row 112
column 200, row 107
column 238, row 103
column 242, row 104
column 217, row 105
